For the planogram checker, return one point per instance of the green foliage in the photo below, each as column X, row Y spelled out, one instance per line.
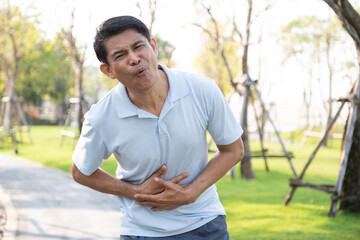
column 43, row 67
column 308, row 35
column 165, row 51
column 30, row 83
column 211, row 64
column 15, row 28
column 93, row 84
column 61, row 73
column 45, row 71
column 108, row 82
column 18, row 35
column 254, row 207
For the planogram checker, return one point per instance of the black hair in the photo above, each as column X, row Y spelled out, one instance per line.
column 112, row 27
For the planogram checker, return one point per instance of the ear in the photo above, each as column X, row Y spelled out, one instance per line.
column 107, row 70
column 154, row 45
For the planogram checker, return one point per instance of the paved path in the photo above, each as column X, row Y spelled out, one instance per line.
column 43, row 203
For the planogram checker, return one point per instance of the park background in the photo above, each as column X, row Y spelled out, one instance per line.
column 287, row 56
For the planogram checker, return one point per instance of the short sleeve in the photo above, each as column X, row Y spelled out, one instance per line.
column 222, row 126
column 90, row 150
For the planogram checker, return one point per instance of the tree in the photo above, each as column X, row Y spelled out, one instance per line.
column 219, row 38
column 312, row 42
column 165, row 48
column 151, row 8
column 33, row 75
column 165, row 51
column 62, row 79
column 350, row 183
column 77, row 54
column 45, row 71
column 301, row 41
column 211, row 64
column 18, row 34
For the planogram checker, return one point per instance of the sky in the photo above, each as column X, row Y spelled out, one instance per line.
column 174, row 24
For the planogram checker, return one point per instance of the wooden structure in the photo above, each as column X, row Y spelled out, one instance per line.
column 335, row 190
column 74, row 132
column 250, row 94
column 16, row 122
column 310, row 133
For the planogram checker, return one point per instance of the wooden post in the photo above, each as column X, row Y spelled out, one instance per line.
column 345, row 151
column 23, row 119
column 8, row 104
column 74, row 106
column 259, row 131
column 248, row 83
column 277, row 133
column 312, row 156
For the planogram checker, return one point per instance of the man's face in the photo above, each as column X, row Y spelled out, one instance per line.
column 132, row 60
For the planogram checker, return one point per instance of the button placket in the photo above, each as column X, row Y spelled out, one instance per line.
column 164, row 137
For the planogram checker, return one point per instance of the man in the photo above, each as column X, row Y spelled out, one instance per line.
column 155, row 123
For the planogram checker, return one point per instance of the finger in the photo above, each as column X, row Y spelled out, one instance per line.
column 155, row 209
column 167, row 184
column 161, row 171
column 173, row 183
column 178, row 179
column 145, row 197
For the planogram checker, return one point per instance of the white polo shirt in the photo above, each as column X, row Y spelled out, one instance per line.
column 142, row 142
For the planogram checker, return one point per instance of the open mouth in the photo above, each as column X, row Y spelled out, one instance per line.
column 140, row 72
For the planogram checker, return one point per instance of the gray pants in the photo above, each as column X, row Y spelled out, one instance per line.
column 213, row 230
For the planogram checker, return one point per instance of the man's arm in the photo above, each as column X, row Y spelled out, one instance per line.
column 104, row 182
column 176, row 195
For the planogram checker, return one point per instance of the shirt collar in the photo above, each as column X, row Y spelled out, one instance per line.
column 178, row 89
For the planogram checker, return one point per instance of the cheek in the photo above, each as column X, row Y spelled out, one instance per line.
column 153, row 59
column 120, row 70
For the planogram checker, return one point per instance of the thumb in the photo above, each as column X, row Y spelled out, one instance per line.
column 161, row 171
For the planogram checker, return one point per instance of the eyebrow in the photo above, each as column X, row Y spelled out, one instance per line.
column 121, row 50
column 117, row 52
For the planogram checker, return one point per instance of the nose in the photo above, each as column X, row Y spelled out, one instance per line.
column 133, row 58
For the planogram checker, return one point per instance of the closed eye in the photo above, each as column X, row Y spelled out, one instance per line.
column 138, row 46
column 119, row 56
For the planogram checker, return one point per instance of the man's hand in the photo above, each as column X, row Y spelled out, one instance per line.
column 173, row 196
column 104, row 182
column 152, row 185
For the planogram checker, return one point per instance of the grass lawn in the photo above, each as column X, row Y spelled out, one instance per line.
column 254, row 207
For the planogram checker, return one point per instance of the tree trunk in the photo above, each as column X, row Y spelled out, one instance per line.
column 246, row 169
column 78, row 56
column 79, row 94
column 350, row 20
column 351, row 184
column 331, row 73
column 11, row 68
column 10, row 89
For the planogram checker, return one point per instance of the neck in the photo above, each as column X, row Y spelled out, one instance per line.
column 152, row 100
